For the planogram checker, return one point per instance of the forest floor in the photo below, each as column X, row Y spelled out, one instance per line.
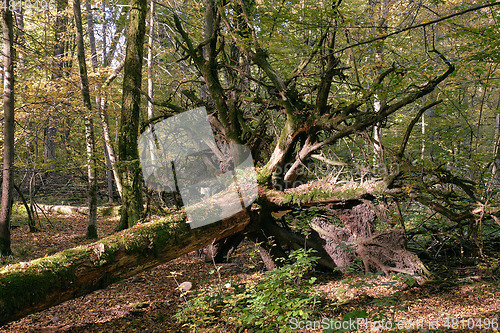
column 147, row 302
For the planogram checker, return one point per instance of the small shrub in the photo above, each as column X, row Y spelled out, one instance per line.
column 265, row 305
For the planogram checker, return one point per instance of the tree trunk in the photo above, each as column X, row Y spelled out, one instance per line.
column 422, row 152
column 19, row 16
column 496, row 149
column 150, row 71
column 89, row 127
column 92, row 179
column 30, row 287
column 377, row 145
column 98, row 98
column 108, row 144
column 61, row 25
column 49, row 145
column 105, row 129
column 29, row 210
column 129, row 166
column 104, row 28
column 109, row 174
column 208, row 28
column 150, row 61
column 101, row 104
column 8, row 144
column 276, row 164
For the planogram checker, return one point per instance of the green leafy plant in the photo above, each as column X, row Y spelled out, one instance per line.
column 263, row 305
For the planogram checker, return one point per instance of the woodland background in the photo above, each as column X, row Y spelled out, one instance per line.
column 374, row 127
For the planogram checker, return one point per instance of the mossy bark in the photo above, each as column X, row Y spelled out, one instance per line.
column 129, row 166
column 286, row 142
column 29, row 287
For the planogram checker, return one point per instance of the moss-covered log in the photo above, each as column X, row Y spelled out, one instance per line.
column 28, row 287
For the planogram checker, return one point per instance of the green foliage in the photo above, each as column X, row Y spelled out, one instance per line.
column 301, row 222
column 266, row 304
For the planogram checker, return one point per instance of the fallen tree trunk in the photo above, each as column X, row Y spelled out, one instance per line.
column 29, row 287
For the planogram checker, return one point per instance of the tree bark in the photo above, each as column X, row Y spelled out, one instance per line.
column 150, row 70
column 8, row 144
column 20, row 39
column 150, row 61
column 109, row 174
column 105, row 129
column 107, row 55
column 496, row 149
column 108, row 144
column 92, row 179
column 61, row 25
column 89, row 126
column 99, row 99
column 30, row 287
column 129, row 166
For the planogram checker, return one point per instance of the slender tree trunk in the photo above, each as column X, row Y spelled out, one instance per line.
column 378, row 152
column 49, row 146
column 208, row 28
column 61, row 25
column 377, row 144
column 98, row 98
column 422, row 153
column 109, row 174
column 109, row 151
column 150, row 61
column 129, row 166
column 8, row 145
column 92, row 179
column 150, row 70
column 104, row 31
column 89, row 127
column 20, row 41
column 496, row 158
column 105, row 129
column 108, row 143
column 19, row 16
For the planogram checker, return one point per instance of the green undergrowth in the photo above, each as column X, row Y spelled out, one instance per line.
column 266, row 303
